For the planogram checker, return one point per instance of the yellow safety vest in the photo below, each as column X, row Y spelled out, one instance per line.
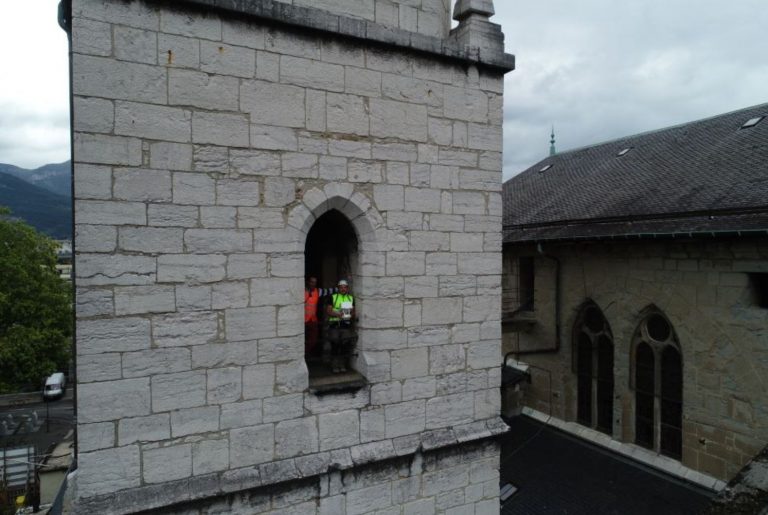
column 338, row 299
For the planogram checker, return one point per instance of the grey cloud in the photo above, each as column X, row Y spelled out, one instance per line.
column 599, row 70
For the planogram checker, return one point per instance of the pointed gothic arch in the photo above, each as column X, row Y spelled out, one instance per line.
column 593, row 361
column 657, row 379
column 336, row 228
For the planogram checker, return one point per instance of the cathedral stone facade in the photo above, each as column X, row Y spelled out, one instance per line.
column 209, row 137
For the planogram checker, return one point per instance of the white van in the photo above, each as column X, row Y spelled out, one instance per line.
column 54, row 386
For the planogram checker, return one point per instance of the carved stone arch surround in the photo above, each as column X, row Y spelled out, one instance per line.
column 365, row 220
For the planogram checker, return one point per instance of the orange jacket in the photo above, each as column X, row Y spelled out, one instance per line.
column 311, row 300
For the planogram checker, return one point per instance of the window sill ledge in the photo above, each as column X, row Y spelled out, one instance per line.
column 323, row 384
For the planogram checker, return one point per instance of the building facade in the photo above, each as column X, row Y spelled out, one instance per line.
column 637, row 292
column 210, row 138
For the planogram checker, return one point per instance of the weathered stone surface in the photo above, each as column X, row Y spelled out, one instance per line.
column 441, row 311
column 183, row 268
column 208, row 241
column 251, row 323
column 112, row 335
column 178, row 51
column 110, row 213
column 273, row 104
column 109, row 470
column 404, row 418
column 225, row 385
column 450, row 410
column 186, row 87
column 152, row 122
column 109, row 78
column 167, row 463
column 99, row 367
column 409, row 363
column 220, row 129
column 155, row 361
column 172, row 216
column 296, row 437
column 202, row 159
column 113, row 400
column 92, row 437
column 210, row 456
column 91, row 37
column 96, row 238
column 175, row 391
column 338, row 430
column 251, row 445
column 398, row 120
column 193, row 189
column 193, row 421
column 240, row 414
column 185, row 329
column 284, row 407
column 219, row 59
column 144, row 429
column 151, row 240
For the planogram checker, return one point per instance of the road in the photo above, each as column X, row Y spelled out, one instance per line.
column 56, row 419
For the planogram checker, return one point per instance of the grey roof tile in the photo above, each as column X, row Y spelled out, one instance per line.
column 705, row 176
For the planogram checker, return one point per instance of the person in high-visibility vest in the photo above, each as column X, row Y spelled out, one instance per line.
column 341, row 313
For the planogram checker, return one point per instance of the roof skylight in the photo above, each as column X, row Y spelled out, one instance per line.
column 545, row 168
column 752, row 122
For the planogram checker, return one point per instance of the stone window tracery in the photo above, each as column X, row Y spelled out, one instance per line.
column 658, row 383
column 593, row 365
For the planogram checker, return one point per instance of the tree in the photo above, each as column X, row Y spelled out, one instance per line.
column 35, row 307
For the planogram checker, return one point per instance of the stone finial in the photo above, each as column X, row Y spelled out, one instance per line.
column 475, row 29
column 466, row 8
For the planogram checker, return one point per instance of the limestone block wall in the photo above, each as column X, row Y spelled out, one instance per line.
column 205, row 146
column 703, row 287
column 463, row 480
column 428, row 17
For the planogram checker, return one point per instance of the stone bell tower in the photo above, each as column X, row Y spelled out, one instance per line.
column 210, row 138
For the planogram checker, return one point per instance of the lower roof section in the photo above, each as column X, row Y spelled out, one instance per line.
column 555, row 472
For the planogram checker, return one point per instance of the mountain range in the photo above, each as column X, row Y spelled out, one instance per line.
column 41, row 197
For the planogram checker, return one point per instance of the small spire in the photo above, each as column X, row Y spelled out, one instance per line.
column 552, row 150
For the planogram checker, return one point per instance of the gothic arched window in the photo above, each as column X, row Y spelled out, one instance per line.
column 593, row 364
column 658, row 384
column 330, row 254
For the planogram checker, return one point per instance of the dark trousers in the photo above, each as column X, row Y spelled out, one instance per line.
column 341, row 338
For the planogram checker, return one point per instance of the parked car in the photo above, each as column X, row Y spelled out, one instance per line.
column 54, row 387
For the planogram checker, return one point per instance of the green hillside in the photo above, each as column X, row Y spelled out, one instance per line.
column 47, row 212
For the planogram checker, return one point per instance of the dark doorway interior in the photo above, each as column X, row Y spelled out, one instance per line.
column 330, row 255
column 331, row 249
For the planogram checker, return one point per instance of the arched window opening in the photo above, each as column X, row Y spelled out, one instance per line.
column 605, row 385
column 644, row 395
column 330, row 256
column 584, row 374
column 671, row 403
column 593, row 364
column 658, row 383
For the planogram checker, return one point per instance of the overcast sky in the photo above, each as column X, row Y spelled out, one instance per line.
column 596, row 69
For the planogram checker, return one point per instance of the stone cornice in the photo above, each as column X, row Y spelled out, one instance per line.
column 293, row 469
column 323, row 21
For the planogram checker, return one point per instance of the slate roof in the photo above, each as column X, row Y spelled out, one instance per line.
column 706, row 176
column 558, row 473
